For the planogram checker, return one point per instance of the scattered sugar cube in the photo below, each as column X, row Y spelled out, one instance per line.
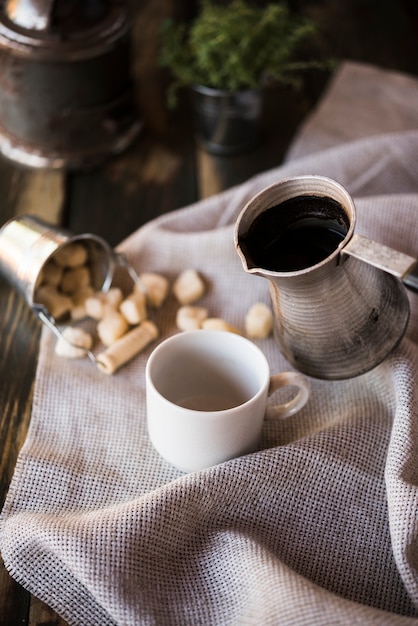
column 188, row 287
column 190, row 317
column 73, row 343
column 259, row 321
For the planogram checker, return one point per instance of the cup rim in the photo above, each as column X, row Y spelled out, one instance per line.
column 225, row 336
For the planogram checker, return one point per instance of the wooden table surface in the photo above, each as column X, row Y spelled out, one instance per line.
column 163, row 170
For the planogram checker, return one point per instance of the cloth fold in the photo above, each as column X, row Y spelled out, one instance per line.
column 320, row 525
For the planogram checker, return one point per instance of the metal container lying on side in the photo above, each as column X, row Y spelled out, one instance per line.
column 28, row 245
column 66, row 94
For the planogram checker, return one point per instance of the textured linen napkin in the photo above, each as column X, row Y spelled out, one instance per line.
column 320, row 525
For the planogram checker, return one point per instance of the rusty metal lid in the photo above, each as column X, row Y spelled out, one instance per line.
column 33, row 14
column 75, row 28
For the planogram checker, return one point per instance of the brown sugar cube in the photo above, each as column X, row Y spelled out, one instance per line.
column 259, row 321
column 78, row 309
column 217, row 323
column 73, row 343
column 75, row 279
column 188, row 287
column 111, row 327
column 55, row 302
column 190, row 317
column 71, row 255
column 51, row 274
column 156, row 286
column 99, row 304
column 133, row 308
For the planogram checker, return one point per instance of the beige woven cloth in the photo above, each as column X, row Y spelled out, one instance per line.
column 318, row 527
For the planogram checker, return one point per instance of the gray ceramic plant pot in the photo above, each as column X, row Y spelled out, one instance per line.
column 226, row 122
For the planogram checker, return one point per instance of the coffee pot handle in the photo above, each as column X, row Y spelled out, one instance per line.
column 398, row 264
column 410, row 280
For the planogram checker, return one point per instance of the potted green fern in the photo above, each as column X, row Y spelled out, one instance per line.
column 227, row 55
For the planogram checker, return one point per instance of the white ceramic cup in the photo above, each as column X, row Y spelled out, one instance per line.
column 207, row 394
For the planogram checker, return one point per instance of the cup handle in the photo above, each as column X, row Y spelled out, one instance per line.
column 288, row 379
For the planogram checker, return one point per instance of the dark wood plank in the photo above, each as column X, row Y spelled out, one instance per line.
column 14, row 600
column 19, row 338
column 155, row 176
column 34, row 192
column 42, row 615
column 39, row 193
column 18, row 346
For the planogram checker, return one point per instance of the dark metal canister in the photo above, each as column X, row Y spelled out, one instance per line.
column 227, row 122
column 66, row 93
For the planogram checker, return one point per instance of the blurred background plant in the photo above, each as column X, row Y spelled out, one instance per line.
column 237, row 46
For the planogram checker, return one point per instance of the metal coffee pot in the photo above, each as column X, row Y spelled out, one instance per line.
column 337, row 315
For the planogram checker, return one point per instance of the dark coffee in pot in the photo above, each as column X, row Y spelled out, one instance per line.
column 295, row 234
